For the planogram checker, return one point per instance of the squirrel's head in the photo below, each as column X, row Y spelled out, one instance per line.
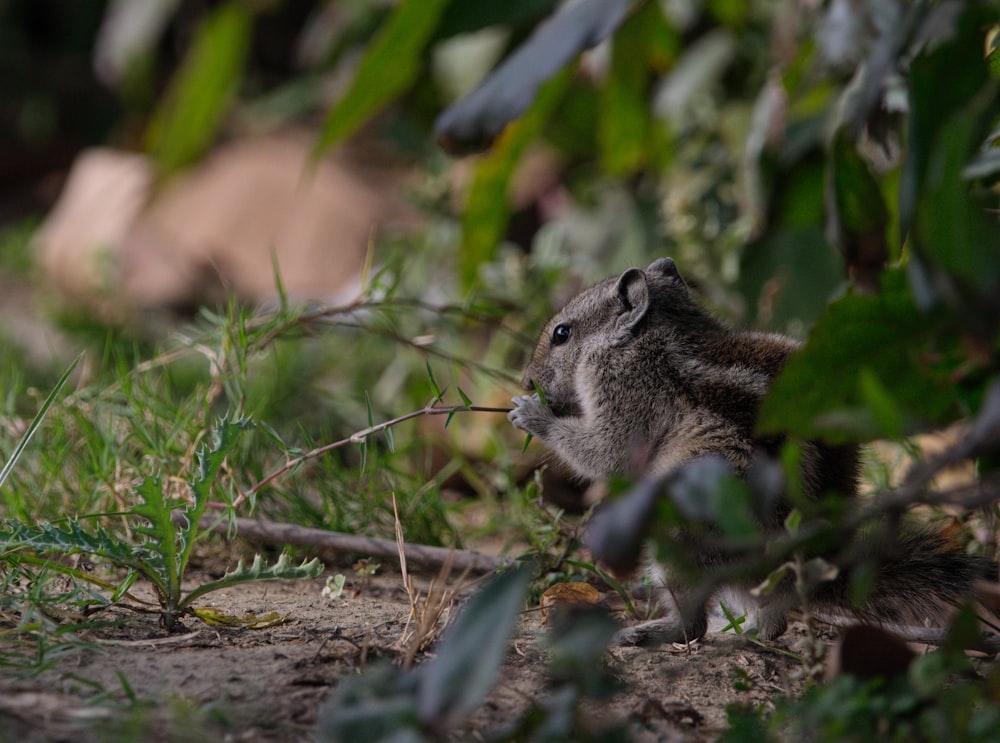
column 609, row 314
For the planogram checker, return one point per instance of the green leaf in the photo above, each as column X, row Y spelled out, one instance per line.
column 193, row 109
column 487, row 209
column 469, row 656
column 71, row 538
column 390, row 65
column 772, row 580
column 792, row 521
column 623, row 117
column 36, row 422
column 735, row 623
column 438, row 394
column 283, row 569
column 884, row 334
column 954, row 105
column 527, row 440
column 161, row 536
column 209, row 460
column 880, row 403
column 538, row 391
column 856, row 212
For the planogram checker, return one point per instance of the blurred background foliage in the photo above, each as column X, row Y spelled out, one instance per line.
column 785, row 153
column 826, row 168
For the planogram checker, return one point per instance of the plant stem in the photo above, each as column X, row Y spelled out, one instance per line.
column 359, row 436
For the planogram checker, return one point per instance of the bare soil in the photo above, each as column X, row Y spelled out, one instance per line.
column 133, row 681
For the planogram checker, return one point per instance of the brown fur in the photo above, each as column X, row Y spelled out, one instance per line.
column 640, row 380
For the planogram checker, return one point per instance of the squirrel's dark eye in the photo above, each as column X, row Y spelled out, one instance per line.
column 561, row 334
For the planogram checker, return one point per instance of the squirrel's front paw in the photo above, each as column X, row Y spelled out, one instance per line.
column 531, row 414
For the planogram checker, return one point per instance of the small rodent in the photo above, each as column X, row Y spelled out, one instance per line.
column 639, row 380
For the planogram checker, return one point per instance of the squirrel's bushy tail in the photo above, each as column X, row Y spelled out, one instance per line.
column 921, row 575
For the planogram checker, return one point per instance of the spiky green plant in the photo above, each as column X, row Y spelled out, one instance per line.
column 165, row 531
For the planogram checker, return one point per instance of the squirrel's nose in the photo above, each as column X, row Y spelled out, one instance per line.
column 527, row 383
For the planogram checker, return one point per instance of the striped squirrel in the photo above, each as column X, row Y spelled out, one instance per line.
column 639, row 380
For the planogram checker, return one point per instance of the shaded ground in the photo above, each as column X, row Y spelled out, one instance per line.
column 134, row 682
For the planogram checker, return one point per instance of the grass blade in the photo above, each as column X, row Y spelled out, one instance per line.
column 37, row 421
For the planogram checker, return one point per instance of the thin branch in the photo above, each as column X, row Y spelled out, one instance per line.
column 279, row 533
column 358, row 437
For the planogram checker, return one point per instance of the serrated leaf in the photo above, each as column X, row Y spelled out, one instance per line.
column 469, row 655
column 70, row 538
column 283, row 569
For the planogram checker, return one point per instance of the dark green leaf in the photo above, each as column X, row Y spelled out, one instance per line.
column 617, row 531
column 465, row 398
column 819, row 393
column 438, row 394
column 951, row 116
column 856, row 213
column 461, row 17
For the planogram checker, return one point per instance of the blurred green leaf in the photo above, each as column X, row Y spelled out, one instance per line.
column 951, row 115
column 856, row 213
column 487, row 209
column 191, row 113
column 624, row 120
column 462, row 17
column 36, row 421
column 469, row 656
column 819, row 393
column 476, row 120
column 390, row 65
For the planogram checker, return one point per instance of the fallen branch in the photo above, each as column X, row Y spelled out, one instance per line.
column 301, row 536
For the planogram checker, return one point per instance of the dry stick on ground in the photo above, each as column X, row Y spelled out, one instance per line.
column 425, row 619
column 279, row 533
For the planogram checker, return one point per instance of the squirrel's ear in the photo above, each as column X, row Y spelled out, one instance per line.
column 666, row 268
column 633, row 293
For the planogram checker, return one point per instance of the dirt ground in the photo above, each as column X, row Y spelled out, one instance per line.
column 133, row 681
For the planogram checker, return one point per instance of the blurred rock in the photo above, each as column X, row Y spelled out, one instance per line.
column 116, row 243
